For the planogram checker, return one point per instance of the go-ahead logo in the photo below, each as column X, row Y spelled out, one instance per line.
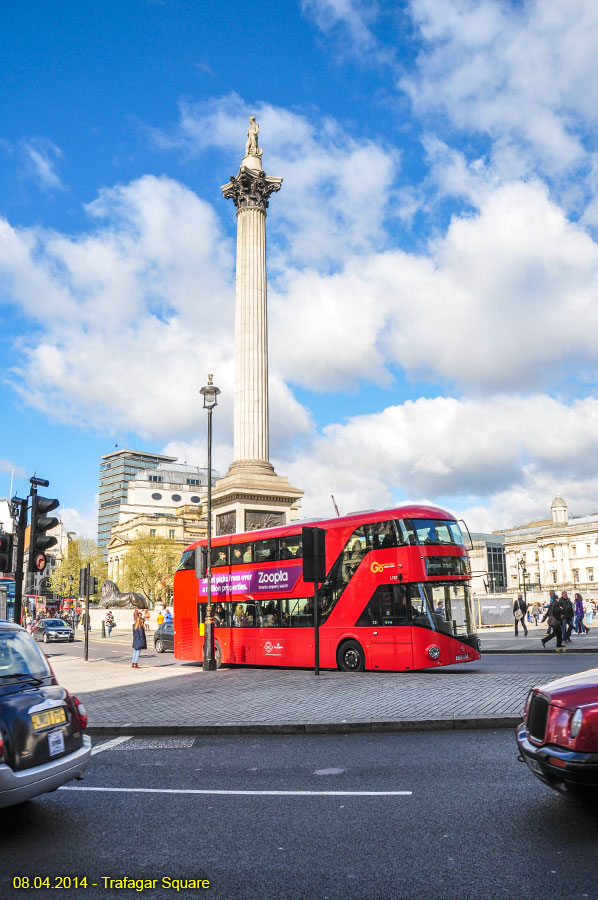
column 377, row 567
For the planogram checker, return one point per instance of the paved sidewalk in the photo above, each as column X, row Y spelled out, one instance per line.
column 182, row 699
column 501, row 639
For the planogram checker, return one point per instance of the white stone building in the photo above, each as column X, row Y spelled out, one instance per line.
column 560, row 553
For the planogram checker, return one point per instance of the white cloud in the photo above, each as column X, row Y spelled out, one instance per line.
column 353, row 20
column 83, row 522
column 42, row 157
column 500, row 460
column 524, row 74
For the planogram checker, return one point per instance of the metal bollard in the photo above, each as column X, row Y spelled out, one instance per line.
column 103, row 629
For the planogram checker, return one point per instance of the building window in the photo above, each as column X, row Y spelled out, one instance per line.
column 155, row 478
column 590, row 574
column 195, row 500
column 575, row 574
column 536, row 556
column 156, row 496
column 176, row 498
column 152, row 532
column 552, row 552
column 588, row 549
column 553, row 576
column 171, row 533
column 193, row 481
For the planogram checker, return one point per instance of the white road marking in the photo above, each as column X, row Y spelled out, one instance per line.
column 109, row 745
column 328, row 772
column 118, row 790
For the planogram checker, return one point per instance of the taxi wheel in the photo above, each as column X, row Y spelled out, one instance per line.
column 159, row 645
column 350, row 657
column 46, row 638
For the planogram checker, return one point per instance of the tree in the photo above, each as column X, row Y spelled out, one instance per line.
column 149, row 566
column 64, row 580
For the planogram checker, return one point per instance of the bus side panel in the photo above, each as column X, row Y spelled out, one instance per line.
column 423, row 638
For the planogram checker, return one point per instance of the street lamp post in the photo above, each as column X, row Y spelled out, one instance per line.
column 210, row 395
column 521, row 563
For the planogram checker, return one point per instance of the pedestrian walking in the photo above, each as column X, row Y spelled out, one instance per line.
column 589, row 609
column 567, row 624
column 139, row 641
column 160, row 618
column 109, row 622
column 555, row 616
column 536, row 612
column 579, row 626
column 146, row 619
column 519, row 611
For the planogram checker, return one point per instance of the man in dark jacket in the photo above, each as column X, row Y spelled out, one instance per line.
column 568, row 612
column 555, row 616
column 519, row 611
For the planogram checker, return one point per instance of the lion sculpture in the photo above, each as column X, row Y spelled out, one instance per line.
column 111, row 596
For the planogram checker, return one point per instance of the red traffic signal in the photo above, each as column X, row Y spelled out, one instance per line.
column 40, row 523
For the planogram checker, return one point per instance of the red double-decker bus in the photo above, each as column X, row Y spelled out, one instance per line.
column 396, row 595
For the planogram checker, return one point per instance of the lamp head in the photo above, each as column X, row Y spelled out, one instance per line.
column 210, row 394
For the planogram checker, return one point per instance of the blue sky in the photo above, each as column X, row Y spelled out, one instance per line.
column 432, row 253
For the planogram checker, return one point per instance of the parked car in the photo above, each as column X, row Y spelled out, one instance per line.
column 164, row 637
column 42, row 744
column 558, row 738
column 52, row 630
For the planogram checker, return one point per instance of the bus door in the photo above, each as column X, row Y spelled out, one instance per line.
column 389, row 633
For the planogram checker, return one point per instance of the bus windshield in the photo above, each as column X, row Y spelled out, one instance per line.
column 438, row 606
column 437, row 531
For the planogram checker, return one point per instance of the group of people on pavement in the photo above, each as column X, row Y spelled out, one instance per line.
column 562, row 615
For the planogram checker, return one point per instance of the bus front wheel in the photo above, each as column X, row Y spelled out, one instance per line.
column 350, row 657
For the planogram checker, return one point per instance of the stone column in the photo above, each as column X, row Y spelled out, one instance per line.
column 250, row 191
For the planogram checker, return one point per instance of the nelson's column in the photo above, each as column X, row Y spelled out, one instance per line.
column 252, row 495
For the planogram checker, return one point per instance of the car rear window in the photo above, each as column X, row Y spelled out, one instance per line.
column 20, row 655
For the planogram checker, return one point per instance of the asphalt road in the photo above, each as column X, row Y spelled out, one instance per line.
column 117, row 649
column 473, row 824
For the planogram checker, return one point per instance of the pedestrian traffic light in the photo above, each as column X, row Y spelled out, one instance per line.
column 314, row 554
column 40, row 523
column 6, row 543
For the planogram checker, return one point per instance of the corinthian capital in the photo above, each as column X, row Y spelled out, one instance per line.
column 251, row 189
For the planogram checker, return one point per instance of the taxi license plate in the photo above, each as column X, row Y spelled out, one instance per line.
column 48, row 717
column 55, row 742
column 534, row 766
column 462, row 656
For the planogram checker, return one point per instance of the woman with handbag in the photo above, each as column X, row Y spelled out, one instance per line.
column 555, row 615
column 139, row 641
column 519, row 611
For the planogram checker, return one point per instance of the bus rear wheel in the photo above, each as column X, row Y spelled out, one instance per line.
column 350, row 657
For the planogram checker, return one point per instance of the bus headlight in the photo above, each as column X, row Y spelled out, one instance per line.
column 575, row 723
column 433, row 651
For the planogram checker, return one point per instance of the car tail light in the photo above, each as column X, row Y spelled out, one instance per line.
column 1, row 749
column 82, row 712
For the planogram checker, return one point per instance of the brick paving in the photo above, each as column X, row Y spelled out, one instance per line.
column 181, row 698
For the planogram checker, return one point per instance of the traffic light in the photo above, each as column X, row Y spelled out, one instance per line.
column 83, row 582
column 6, row 542
column 40, row 523
column 201, row 562
column 314, row 554
column 93, row 585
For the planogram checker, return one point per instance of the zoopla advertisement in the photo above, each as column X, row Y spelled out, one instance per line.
column 255, row 581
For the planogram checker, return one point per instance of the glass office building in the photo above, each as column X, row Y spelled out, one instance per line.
column 116, row 470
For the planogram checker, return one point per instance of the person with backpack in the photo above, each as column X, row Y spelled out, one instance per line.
column 519, row 611
column 567, row 623
column 555, row 616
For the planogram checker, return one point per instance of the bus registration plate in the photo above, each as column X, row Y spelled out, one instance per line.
column 462, row 656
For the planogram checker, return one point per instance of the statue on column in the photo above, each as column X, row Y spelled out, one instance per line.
column 251, row 147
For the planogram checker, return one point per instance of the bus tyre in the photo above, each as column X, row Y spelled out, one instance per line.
column 217, row 654
column 350, row 657
column 159, row 646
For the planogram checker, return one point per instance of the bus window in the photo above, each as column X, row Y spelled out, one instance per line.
column 187, row 561
column 219, row 556
column 264, row 551
column 437, row 531
column 243, row 615
column 299, row 611
column 269, row 614
column 290, row 548
column 406, row 531
column 221, row 614
column 236, row 558
column 387, row 606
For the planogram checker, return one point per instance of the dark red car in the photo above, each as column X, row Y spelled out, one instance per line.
column 558, row 738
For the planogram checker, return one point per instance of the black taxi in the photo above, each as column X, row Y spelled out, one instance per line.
column 42, row 744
